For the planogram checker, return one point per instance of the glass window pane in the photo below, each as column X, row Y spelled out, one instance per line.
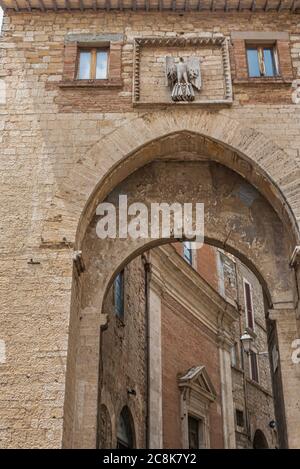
column 253, row 65
column 269, row 62
column 84, row 68
column 101, row 66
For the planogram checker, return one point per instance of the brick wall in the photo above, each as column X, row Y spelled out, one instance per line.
column 185, row 344
column 45, row 131
column 123, row 355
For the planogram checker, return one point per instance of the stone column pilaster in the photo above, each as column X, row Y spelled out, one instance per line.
column 155, row 366
column 287, row 333
column 226, row 393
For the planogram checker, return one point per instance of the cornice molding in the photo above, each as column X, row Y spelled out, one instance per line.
column 171, row 274
column 151, row 6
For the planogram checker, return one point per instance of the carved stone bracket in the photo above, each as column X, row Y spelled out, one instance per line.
column 78, row 261
column 181, row 42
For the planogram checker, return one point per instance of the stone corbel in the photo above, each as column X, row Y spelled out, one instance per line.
column 296, row 91
column 78, row 261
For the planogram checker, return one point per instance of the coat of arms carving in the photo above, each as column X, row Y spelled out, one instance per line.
column 183, row 77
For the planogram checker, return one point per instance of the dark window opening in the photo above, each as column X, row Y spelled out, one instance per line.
column 119, row 295
column 249, row 305
column 253, row 366
column 196, row 433
column 125, row 435
column 239, row 414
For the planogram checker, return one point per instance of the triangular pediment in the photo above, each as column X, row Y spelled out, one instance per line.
column 198, row 379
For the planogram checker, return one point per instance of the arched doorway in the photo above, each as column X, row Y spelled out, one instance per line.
column 260, row 441
column 239, row 218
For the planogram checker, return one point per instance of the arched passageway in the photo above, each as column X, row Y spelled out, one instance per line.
column 260, row 441
column 253, row 224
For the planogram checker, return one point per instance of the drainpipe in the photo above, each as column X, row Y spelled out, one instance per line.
column 147, row 271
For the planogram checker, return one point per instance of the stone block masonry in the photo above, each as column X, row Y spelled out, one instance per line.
column 47, row 173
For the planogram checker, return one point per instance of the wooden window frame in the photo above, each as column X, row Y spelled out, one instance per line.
column 77, row 43
column 260, row 48
column 93, row 66
column 238, row 54
column 252, row 328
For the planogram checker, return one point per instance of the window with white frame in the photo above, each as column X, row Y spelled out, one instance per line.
column 249, row 304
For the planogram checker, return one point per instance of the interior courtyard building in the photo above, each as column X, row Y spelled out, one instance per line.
column 144, row 342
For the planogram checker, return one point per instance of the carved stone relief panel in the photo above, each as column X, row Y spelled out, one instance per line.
column 182, row 71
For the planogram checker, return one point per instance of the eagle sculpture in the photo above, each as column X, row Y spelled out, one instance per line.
column 182, row 77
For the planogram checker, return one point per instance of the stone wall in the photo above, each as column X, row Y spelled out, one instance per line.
column 256, row 397
column 226, row 274
column 46, row 134
column 123, row 358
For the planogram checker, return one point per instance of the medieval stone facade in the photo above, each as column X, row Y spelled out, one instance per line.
column 68, row 144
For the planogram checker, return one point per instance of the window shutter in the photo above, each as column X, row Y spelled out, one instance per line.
column 249, row 306
column 254, row 367
column 119, row 294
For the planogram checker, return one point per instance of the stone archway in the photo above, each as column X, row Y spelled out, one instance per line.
column 90, row 176
column 266, row 245
column 260, row 441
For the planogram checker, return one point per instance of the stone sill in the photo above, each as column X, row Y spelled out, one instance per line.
column 106, row 84
column 263, row 81
column 212, row 102
column 238, row 369
column 259, row 387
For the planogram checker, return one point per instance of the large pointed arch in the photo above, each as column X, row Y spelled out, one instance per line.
column 141, row 139
column 205, row 139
